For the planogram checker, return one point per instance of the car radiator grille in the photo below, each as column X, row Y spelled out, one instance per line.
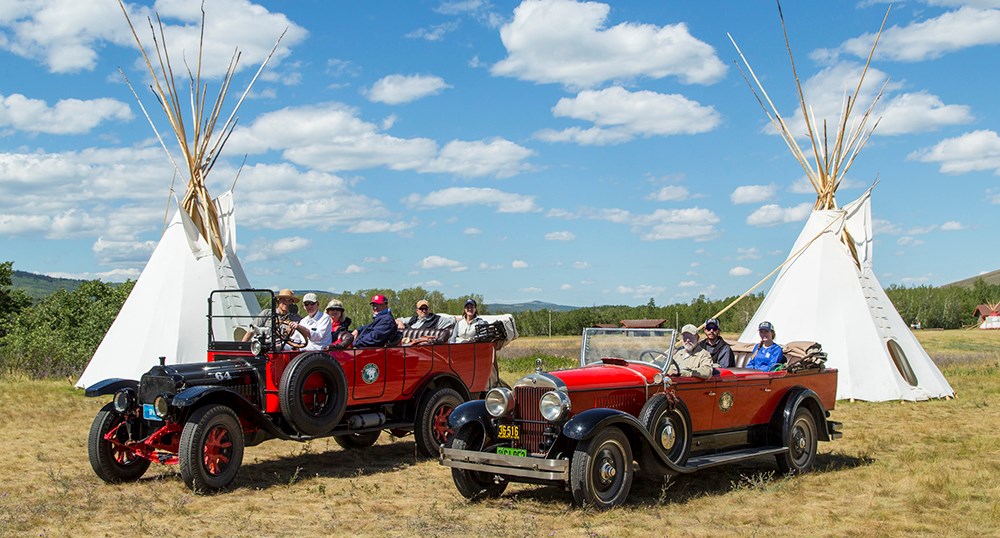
column 529, row 419
column 152, row 386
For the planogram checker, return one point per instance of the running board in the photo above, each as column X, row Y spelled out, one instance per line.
column 712, row 460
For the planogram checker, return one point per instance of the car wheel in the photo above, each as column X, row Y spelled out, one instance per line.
column 211, row 449
column 112, row 461
column 475, row 485
column 432, row 429
column 601, row 472
column 801, row 444
column 670, row 428
column 354, row 441
column 313, row 393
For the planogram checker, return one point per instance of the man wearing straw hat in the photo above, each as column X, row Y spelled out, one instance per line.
column 284, row 300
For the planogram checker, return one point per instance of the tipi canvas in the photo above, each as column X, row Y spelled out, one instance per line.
column 822, row 295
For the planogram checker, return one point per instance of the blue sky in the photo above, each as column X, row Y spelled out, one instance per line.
column 577, row 153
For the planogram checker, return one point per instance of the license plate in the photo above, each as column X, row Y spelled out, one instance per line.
column 508, row 431
column 506, row 451
column 148, row 413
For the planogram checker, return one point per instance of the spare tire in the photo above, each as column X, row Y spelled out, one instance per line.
column 313, row 393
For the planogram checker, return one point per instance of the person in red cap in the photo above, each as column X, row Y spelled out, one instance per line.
column 382, row 330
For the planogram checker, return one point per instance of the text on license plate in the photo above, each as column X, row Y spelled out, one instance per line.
column 507, row 451
column 148, row 413
column 507, row 431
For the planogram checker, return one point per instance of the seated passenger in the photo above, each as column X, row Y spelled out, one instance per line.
column 315, row 327
column 285, row 301
column 765, row 355
column 465, row 329
column 340, row 325
column 425, row 319
column 382, row 330
column 719, row 349
column 691, row 360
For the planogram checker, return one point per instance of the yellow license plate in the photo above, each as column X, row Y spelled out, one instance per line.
column 508, row 431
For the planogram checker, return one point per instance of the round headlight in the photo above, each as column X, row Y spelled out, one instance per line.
column 160, row 406
column 499, row 401
column 256, row 347
column 124, row 400
column 553, row 405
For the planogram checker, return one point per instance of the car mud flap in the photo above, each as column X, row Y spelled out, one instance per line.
column 110, row 386
column 500, row 464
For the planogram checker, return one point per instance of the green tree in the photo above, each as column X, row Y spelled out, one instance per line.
column 12, row 301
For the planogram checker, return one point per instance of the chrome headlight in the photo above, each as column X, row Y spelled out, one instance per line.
column 499, row 401
column 161, row 406
column 125, row 400
column 256, row 347
column 553, row 405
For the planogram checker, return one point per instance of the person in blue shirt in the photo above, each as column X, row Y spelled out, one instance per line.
column 382, row 330
column 765, row 355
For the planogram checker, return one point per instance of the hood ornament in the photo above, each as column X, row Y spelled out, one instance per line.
column 538, row 365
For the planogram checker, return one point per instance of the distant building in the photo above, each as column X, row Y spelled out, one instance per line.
column 988, row 316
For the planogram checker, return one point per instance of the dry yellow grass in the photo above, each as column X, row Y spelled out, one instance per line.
column 902, row 469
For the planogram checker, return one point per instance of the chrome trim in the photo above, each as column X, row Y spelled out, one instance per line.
column 564, row 404
column 507, row 399
column 543, row 379
column 500, row 464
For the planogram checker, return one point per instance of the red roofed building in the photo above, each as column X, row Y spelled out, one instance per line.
column 988, row 316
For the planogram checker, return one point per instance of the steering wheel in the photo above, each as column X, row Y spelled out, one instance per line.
column 655, row 354
column 285, row 334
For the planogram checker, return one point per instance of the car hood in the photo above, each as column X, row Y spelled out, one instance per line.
column 608, row 375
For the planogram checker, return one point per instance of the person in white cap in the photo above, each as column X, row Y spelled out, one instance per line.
column 691, row 360
column 315, row 326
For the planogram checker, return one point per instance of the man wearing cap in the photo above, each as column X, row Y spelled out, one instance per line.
column 425, row 319
column 382, row 330
column 765, row 355
column 722, row 354
column 692, row 361
column 340, row 325
column 284, row 300
column 465, row 329
column 315, row 327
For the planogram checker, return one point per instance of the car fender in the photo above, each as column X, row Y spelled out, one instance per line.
column 194, row 397
column 586, row 424
column 443, row 380
column 795, row 398
column 471, row 412
column 111, row 386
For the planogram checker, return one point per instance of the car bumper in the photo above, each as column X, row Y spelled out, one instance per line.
column 500, row 464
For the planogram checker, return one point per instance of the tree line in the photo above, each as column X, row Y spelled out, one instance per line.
column 57, row 335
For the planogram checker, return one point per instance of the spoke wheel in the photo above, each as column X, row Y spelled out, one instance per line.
column 475, row 485
column 670, row 428
column 432, row 428
column 211, row 449
column 110, row 458
column 601, row 471
column 801, row 442
column 312, row 393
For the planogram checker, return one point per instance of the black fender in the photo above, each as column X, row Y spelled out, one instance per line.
column 438, row 381
column 192, row 398
column 795, row 398
column 111, row 386
column 473, row 412
column 586, row 424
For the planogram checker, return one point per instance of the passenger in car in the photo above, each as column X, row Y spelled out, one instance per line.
column 382, row 330
column 425, row 319
column 691, row 360
column 767, row 354
column 315, row 326
column 340, row 325
column 284, row 300
column 465, row 329
column 719, row 349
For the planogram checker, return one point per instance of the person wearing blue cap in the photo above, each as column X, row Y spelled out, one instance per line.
column 765, row 355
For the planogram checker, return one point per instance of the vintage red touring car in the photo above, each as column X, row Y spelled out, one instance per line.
column 583, row 428
column 203, row 415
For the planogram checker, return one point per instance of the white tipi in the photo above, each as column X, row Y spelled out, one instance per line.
column 826, row 290
column 165, row 314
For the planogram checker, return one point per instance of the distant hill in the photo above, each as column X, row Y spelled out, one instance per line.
column 41, row 286
column 499, row 308
column 993, row 277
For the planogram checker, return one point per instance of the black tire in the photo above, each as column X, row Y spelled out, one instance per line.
column 113, row 464
column 354, row 441
column 474, row 485
column 313, row 393
column 211, row 449
column 801, row 442
column 671, row 431
column 432, row 429
column 601, row 472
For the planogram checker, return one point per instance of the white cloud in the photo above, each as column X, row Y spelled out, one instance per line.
column 739, row 271
column 566, row 287
column 773, row 214
column 353, row 269
column 376, row 259
column 753, row 194
column 560, row 236
column 640, row 291
column 569, row 43
column 490, row 266
column 378, row 226
column 581, row 265
column 970, row 152
column 331, row 137
column 747, row 253
column 505, row 202
column 438, row 262
column 435, row 32
column 952, row 225
column 687, row 284
column 263, row 249
column 670, row 193
column 932, row 38
column 908, row 241
column 472, row 231
column 518, row 264
column 67, row 116
column 530, row 290
column 619, row 115
column 110, row 252
column 397, row 89
column 693, row 224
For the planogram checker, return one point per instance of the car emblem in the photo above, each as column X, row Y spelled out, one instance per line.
column 726, row 401
column 369, row 373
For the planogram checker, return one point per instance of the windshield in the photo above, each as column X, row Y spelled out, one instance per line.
column 651, row 346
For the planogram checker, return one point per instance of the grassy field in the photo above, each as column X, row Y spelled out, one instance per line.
column 902, row 469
